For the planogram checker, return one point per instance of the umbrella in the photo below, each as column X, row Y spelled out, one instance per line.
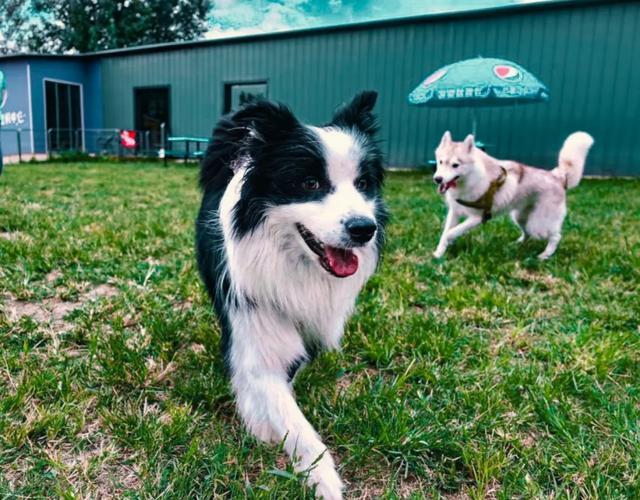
column 482, row 81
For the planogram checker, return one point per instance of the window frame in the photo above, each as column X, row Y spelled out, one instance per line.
column 227, row 88
column 44, row 101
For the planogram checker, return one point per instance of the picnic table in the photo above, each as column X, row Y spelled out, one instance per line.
column 186, row 153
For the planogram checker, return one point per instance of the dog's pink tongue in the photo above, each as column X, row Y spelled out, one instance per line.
column 343, row 262
column 444, row 187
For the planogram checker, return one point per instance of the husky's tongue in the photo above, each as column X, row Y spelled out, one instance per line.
column 342, row 261
column 443, row 187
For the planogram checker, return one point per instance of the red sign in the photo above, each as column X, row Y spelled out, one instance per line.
column 128, row 139
column 508, row 73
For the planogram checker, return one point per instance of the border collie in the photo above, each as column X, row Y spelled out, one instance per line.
column 290, row 229
column 476, row 186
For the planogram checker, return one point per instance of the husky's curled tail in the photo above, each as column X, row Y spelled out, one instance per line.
column 572, row 158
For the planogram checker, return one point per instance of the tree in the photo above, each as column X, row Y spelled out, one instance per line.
column 15, row 26
column 67, row 26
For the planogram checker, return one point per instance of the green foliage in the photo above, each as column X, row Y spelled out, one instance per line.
column 488, row 374
column 89, row 25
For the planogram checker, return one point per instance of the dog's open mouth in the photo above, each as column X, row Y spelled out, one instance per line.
column 445, row 186
column 340, row 262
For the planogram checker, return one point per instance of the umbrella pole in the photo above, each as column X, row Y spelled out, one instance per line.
column 474, row 123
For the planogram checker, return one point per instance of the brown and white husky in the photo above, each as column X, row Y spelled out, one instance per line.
column 477, row 186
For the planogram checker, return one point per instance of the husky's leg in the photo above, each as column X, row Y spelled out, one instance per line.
column 518, row 220
column 451, row 221
column 263, row 348
column 545, row 221
column 552, row 245
column 455, row 232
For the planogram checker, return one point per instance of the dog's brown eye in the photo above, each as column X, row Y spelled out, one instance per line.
column 362, row 184
column 311, row 184
column 455, row 165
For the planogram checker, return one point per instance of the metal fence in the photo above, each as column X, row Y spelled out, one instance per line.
column 22, row 144
column 16, row 142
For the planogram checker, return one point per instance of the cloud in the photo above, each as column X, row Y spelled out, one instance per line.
column 243, row 17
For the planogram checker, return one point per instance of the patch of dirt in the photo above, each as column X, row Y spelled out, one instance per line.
column 197, row 348
column 53, row 276
column 101, row 291
column 401, row 257
column 184, row 305
column 101, row 470
column 153, row 262
column 14, row 236
column 48, row 311
column 139, row 337
column 95, row 466
column 344, row 383
column 369, row 489
column 517, row 339
column 530, row 439
column 548, row 281
column 52, row 311
column 158, row 372
column 458, row 495
column 15, row 472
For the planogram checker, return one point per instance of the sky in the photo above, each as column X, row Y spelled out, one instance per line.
column 243, row 17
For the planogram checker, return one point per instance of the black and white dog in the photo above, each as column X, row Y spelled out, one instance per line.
column 290, row 229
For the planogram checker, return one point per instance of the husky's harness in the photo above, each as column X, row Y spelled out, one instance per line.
column 485, row 202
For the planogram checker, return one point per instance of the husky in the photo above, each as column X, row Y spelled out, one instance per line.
column 290, row 229
column 477, row 186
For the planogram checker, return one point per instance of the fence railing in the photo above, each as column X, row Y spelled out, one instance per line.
column 16, row 142
column 24, row 143
column 103, row 142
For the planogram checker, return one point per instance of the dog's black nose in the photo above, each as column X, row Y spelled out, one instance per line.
column 437, row 180
column 360, row 229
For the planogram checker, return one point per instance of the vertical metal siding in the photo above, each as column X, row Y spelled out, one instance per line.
column 586, row 54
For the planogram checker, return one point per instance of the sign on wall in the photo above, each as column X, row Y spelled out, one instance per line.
column 15, row 118
column 14, row 115
column 15, row 112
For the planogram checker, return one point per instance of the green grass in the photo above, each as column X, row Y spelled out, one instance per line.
column 488, row 374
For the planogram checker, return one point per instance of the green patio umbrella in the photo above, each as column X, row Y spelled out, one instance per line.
column 479, row 82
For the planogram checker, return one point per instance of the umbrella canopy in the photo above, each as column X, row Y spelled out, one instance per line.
column 479, row 82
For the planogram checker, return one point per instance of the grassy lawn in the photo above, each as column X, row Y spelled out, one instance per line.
column 488, row 374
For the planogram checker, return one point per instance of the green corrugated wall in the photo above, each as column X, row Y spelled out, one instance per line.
column 588, row 55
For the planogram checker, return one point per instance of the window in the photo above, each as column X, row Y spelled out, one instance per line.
column 63, row 115
column 152, row 109
column 238, row 94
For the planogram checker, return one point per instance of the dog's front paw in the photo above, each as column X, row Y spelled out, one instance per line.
column 439, row 252
column 327, row 481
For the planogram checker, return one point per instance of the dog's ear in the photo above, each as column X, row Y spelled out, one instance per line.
column 264, row 121
column 358, row 113
column 469, row 143
column 446, row 138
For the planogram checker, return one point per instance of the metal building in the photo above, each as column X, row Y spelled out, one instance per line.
column 586, row 51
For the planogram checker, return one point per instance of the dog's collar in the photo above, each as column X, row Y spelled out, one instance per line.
column 485, row 202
